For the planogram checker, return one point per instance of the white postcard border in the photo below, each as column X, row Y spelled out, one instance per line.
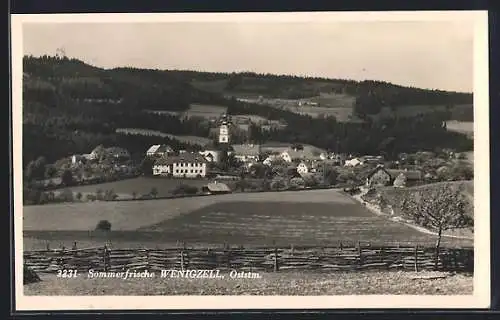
column 481, row 295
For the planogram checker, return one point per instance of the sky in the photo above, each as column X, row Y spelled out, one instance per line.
column 425, row 54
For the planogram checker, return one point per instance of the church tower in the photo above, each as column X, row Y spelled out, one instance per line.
column 224, row 130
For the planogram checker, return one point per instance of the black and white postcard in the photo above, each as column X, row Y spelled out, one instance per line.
column 251, row 160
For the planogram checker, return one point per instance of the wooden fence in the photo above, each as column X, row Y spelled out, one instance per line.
column 340, row 258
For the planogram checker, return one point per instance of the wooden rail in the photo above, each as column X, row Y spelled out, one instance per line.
column 272, row 259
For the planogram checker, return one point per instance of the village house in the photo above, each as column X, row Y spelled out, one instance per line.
column 271, row 158
column 216, row 188
column 299, row 155
column 100, row 152
column 185, row 165
column 158, row 150
column 246, row 152
column 380, row 177
column 211, row 155
column 303, row 167
column 353, row 162
column 405, row 178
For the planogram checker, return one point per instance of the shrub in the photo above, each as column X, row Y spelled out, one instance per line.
column 91, row 197
column 66, row 195
column 185, row 189
column 103, row 225
column 29, row 276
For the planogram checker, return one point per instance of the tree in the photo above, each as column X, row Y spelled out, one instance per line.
column 103, row 225
column 79, row 196
column 147, row 166
column 35, row 170
column 154, row 192
column 441, row 209
column 67, row 178
column 98, row 194
column 50, row 171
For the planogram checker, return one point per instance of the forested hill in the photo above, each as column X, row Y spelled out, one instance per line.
column 70, row 107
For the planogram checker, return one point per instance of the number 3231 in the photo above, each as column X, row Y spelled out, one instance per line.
column 67, row 273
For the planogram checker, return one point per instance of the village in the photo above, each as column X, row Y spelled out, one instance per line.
column 223, row 167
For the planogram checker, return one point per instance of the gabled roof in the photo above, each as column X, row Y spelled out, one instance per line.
column 186, row 157
column 377, row 169
column 159, row 148
column 154, row 148
column 306, row 154
column 218, row 187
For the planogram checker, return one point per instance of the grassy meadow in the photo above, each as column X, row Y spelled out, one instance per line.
column 315, row 217
column 140, row 185
column 280, row 283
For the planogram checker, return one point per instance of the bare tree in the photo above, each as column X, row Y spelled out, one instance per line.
column 439, row 209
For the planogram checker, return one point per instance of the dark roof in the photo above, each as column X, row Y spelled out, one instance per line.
column 370, row 173
column 186, row 157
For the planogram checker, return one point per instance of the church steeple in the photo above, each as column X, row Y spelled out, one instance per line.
column 224, row 135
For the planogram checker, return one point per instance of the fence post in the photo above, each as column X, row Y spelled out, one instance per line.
column 74, row 245
column 228, row 256
column 416, row 258
column 182, row 259
column 292, row 249
column 340, row 245
column 359, row 253
column 105, row 258
column 276, row 267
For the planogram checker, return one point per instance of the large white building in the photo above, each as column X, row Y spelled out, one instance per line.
column 185, row 165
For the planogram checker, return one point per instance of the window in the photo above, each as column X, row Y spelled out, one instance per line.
column 191, row 170
column 177, row 171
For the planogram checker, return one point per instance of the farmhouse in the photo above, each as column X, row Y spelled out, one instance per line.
column 269, row 160
column 378, row 177
column 297, row 155
column 405, row 178
column 216, row 188
column 211, row 155
column 246, row 152
column 158, row 150
column 187, row 164
column 398, row 178
column 353, row 162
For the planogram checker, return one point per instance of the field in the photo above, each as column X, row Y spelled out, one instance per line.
column 461, row 126
column 205, row 111
column 146, row 132
column 316, row 217
column 281, row 283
